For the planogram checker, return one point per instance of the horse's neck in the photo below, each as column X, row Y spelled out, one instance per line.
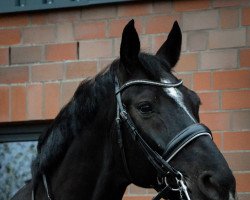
column 89, row 171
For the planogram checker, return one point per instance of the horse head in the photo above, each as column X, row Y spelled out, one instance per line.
column 162, row 115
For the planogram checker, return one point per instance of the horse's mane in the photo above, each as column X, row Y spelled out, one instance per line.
column 75, row 116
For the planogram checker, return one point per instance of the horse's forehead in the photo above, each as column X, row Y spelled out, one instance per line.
column 177, row 96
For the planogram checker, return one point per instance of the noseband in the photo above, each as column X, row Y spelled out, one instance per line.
column 159, row 162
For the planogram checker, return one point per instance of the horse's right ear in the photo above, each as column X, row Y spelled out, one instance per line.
column 171, row 48
column 130, row 46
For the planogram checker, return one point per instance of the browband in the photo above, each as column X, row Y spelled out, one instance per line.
column 147, row 82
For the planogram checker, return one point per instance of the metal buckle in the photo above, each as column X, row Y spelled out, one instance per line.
column 171, row 188
column 182, row 187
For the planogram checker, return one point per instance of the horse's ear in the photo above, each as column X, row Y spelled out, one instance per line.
column 171, row 48
column 130, row 46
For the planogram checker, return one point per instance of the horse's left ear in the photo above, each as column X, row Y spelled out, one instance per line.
column 171, row 48
column 130, row 46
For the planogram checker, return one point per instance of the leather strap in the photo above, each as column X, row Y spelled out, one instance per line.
column 183, row 138
column 147, row 82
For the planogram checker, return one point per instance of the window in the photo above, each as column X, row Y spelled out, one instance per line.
column 17, row 149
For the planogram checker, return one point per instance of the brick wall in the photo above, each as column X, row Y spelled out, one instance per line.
column 44, row 56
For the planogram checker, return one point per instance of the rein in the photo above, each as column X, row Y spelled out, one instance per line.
column 159, row 162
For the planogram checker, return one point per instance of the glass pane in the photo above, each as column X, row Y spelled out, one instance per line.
column 15, row 161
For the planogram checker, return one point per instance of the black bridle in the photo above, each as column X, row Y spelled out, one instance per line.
column 159, row 162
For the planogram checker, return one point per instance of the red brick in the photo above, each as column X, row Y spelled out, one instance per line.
column 60, row 52
column 137, row 198
column 151, row 191
column 64, row 32
column 231, row 79
column 202, row 81
column 227, row 38
column 10, row 36
column 236, row 99
column 133, row 189
column 98, row 12
column 226, row 3
column 4, row 102
column 135, row 9
column 47, row 72
column 26, row 54
column 95, row 49
column 90, row 30
column 38, row 18
column 217, row 138
column 68, row 89
column 210, row 101
column 34, row 101
column 184, row 42
column 162, row 7
column 236, row 141
column 217, row 121
column 157, row 41
column 14, row 75
column 244, row 58
column 245, row 18
column 187, row 79
column 160, row 24
column 80, row 69
column 104, row 63
column 39, row 34
column 51, row 100
column 200, row 20
column 248, row 36
column 116, row 27
column 197, row 41
column 240, row 120
column 14, row 20
column 229, row 18
column 145, row 43
column 242, row 180
column 243, row 196
column 238, row 161
column 18, row 103
column 183, row 5
column 187, row 62
column 59, row 16
column 226, row 59
column 4, row 56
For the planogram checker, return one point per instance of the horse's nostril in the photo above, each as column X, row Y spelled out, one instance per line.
column 215, row 186
column 209, row 186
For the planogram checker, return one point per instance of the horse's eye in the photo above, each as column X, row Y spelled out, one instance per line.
column 145, row 108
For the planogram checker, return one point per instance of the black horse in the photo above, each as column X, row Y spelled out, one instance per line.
column 133, row 123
